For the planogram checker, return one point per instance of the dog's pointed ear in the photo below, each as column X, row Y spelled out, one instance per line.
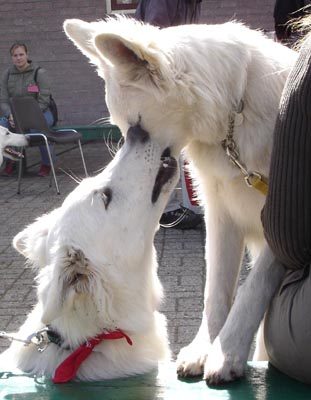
column 136, row 61
column 118, row 50
column 126, row 46
column 82, row 34
column 31, row 242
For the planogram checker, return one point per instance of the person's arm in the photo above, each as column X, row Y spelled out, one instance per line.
column 4, row 96
column 160, row 13
column 44, row 89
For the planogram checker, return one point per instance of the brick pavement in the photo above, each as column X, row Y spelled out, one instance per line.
column 180, row 253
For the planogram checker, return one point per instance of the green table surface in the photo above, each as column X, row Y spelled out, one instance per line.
column 260, row 383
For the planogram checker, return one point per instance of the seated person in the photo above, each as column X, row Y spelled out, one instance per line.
column 25, row 78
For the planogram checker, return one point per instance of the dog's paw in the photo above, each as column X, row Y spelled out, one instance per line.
column 221, row 367
column 191, row 360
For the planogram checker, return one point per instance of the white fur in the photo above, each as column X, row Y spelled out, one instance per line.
column 97, row 270
column 229, row 352
column 183, row 82
column 8, row 138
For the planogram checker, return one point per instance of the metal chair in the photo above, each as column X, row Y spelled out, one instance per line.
column 29, row 120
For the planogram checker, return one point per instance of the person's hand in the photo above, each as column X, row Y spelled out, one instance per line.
column 11, row 121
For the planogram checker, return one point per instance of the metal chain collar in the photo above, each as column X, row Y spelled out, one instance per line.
column 231, row 149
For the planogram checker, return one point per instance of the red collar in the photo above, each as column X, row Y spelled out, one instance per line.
column 68, row 368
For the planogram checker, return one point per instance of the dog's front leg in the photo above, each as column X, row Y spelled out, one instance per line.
column 224, row 251
column 228, row 355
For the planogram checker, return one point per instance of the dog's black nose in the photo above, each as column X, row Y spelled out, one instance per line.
column 137, row 134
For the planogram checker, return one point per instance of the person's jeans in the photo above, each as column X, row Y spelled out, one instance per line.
column 4, row 122
column 44, row 153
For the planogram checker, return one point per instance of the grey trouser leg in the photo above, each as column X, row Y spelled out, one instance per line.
column 288, row 326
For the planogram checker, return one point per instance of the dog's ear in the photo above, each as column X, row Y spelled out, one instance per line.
column 135, row 59
column 31, row 242
column 124, row 44
column 82, row 34
column 121, row 51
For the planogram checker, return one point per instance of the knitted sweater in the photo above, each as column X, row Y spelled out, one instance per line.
column 286, row 216
column 15, row 83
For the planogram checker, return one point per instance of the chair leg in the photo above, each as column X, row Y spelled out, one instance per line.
column 82, row 156
column 52, row 164
column 51, row 179
column 20, row 170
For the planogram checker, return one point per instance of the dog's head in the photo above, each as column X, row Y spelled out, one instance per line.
column 184, row 81
column 144, row 78
column 8, row 139
column 96, row 251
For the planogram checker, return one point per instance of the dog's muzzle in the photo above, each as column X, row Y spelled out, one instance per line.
column 13, row 154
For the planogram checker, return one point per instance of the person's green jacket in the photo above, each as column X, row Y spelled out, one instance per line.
column 15, row 84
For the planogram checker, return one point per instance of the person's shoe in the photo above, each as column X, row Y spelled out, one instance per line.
column 9, row 168
column 44, row 170
column 182, row 218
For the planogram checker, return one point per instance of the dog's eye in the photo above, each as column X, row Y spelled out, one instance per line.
column 106, row 196
column 7, row 132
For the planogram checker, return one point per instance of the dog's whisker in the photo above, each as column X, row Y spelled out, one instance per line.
column 102, row 121
column 99, row 170
column 71, row 175
column 111, row 145
column 111, row 149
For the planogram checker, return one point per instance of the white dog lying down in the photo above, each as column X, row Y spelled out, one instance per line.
column 214, row 90
column 7, row 139
column 98, row 271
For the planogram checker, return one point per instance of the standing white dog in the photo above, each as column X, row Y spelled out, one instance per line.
column 98, row 287
column 214, row 89
column 8, row 139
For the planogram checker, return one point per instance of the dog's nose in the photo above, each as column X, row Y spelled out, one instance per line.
column 137, row 134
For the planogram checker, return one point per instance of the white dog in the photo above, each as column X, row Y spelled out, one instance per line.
column 7, row 139
column 214, row 90
column 98, row 272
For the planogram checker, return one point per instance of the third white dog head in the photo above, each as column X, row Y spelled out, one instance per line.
column 7, row 139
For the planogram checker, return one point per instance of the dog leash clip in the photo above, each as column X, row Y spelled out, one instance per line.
column 40, row 339
column 4, row 335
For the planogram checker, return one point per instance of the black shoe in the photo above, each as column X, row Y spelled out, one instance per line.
column 182, row 218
